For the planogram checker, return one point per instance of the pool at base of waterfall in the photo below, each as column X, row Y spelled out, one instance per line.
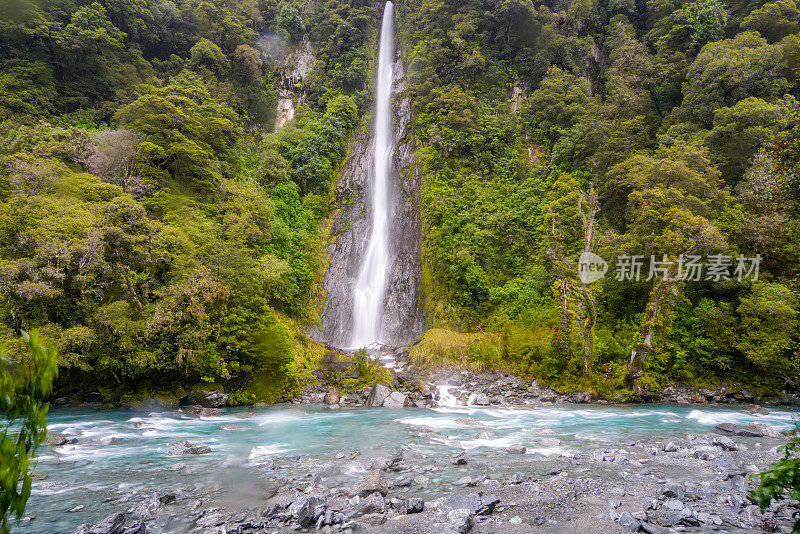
column 115, row 461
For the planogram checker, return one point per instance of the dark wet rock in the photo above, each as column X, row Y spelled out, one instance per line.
column 110, row 525
column 477, row 503
column 460, row 458
column 673, row 491
column 415, row 505
column 306, row 510
column 137, row 527
column 725, row 443
column 371, row 504
column 378, row 394
column 628, row 522
column 755, row 430
column 56, row 440
column 516, row 449
column 185, row 447
column 167, row 497
column 202, row 411
column 207, row 398
column 375, row 481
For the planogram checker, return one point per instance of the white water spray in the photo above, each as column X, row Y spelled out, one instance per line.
column 370, row 289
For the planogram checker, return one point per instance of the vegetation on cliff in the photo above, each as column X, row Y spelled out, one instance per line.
column 157, row 232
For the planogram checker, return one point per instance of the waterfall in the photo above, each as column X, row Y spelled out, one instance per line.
column 369, row 292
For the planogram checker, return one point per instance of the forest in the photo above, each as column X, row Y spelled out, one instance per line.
column 159, row 233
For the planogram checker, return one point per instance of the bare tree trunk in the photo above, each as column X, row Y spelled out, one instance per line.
column 663, row 296
column 587, row 301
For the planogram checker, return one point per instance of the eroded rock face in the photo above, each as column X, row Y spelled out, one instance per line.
column 402, row 318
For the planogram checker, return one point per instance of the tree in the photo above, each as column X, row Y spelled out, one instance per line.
column 740, row 130
column 290, row 22
column 728, row 71
column 24, row 388
column 774, row 20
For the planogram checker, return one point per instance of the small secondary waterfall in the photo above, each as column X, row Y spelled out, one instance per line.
column 369, row 292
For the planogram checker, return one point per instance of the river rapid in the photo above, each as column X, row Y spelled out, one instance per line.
column 118, row 459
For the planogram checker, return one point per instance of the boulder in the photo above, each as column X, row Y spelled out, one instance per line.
column 137, row 527
column 468, row 421
column 516, row 449
column 753, row 430
column 459, row 522
column 476, row 503
column 414, row 505
column 207, row 398
column 628, row 522
column 766, row 430
column 375, row 481
column 395, row 400
column 56, row 440
column 378, row 394
column 372, row 504
column 332, row 397
column 670, row 447
column 306, row 510
column 725, row 443
column 110, row 525
column 201, row 411
column 185, row 447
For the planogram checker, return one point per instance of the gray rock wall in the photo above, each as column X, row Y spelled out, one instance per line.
column 402, row 319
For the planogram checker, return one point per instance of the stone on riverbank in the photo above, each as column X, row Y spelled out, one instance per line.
column 201, row 411
column 375, row 481
column 378, row 394
column 395, row 400
column 754, row 430
column 112, row 524
column 185, row 447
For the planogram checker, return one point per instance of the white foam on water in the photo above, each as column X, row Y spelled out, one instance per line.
column 262, row 453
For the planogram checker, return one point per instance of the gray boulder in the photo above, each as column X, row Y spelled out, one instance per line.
column 375, row 481
column 628, row 522
column 378, row 394
column 306, row 510
column 185, row 447
column 476, row 503
column 753, row 430
column 110, row 525
column 459, row 521
column 725, row 443
column 207, row 398
column 414, row 505
column 137, row 527
column 395, row 400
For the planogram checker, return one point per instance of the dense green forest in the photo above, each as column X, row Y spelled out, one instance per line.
column 159, row 234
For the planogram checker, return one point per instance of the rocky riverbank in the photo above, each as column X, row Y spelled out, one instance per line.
column 691, row 483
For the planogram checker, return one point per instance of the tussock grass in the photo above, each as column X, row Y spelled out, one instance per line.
column 440, row 347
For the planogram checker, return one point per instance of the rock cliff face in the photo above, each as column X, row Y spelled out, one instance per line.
column 402, row 319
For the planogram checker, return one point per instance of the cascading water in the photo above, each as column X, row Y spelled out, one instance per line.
column 369, row 292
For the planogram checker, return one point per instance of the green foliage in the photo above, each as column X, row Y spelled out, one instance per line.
column 782, row 480
column 290, row 22
column 25, row 386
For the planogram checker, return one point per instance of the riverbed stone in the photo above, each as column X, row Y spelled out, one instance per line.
column 378, row 394
column 395, row 400
column 185, row 447
column 725, row 443
column 459, row 521
column 137, row 527
column 477, row 503
column 414, row 505
column 202, row 411
column 332, row 397
column 374, row 481
column 517, row 448
column 110, row 525
column 628, row 522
